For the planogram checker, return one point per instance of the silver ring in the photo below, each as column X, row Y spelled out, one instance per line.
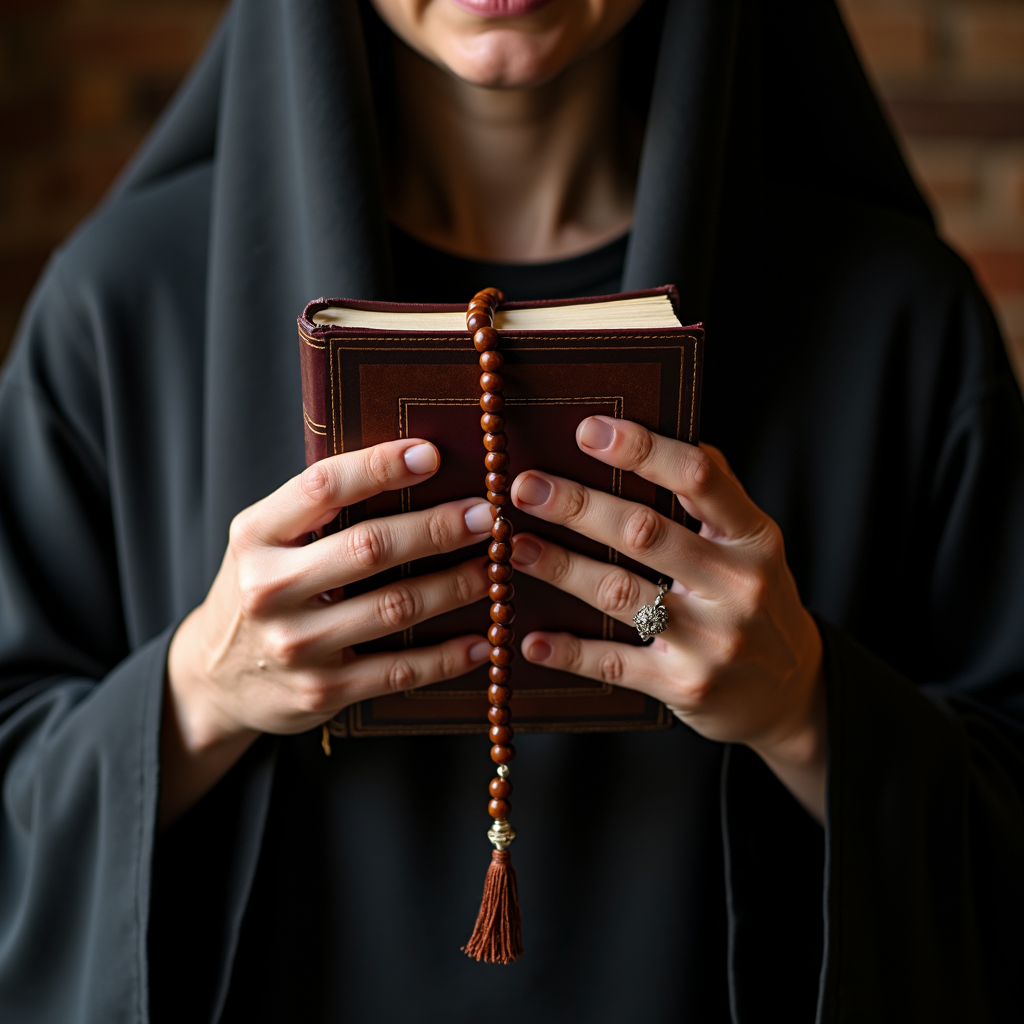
column 653, row 618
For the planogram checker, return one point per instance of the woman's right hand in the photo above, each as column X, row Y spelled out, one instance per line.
column 270, row 649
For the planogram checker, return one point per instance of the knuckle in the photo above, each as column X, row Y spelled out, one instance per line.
column 449, row 664
column 641, row 531
column 283, row 646
column 441, row 532
column 698, row 690
column 560, row 566
column 574, row 654
column 397, row 606
column 240, row 532
column 755, row 593
column 254, row 596
column 379, row 467
column 575, row 503
column 731, row 643
column 611, row 667
column 401, row 676
column 315, row 483
column 467, row 585
column 698, row 470
column 314, row 695
column 618, row 592
column 770, row 539
column 365, row 545
column 639, row 448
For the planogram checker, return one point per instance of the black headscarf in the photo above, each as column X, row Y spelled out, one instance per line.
column 743, row 102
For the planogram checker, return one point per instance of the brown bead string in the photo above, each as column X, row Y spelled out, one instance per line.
column 496, row 937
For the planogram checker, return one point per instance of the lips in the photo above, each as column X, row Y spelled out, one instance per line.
column 500, row 8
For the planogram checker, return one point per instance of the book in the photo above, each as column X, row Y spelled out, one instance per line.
column 377, row 371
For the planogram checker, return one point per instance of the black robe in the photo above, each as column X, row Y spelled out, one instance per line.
column 854, row 378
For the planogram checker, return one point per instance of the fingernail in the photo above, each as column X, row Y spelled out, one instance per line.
column 525, row 551
column 478, row 518
column 480, row 651
column 420, row 458
column 597, row 433
column 540, row 650
column 533, row 490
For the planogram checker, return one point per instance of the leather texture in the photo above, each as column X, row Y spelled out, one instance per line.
column 362, row 387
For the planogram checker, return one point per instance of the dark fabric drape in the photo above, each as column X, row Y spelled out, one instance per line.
column 856, row 381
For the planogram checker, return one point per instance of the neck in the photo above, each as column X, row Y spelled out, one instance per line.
column 512, row 175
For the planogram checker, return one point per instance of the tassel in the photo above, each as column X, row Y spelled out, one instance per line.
column 496, row 938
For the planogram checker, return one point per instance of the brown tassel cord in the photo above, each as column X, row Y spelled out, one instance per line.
column 496, row 937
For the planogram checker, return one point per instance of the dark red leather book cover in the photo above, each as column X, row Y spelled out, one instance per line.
column 361, row 387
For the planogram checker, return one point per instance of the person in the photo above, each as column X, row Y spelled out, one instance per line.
column 834, row 831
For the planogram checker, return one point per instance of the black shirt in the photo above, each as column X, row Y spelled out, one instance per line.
column 426, row 274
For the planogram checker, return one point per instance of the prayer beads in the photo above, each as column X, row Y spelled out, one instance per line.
column 480, row 322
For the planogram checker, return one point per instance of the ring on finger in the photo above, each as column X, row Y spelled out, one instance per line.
column 652, row 618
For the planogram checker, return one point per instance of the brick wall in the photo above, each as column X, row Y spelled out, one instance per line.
column 81, row 81
column 952, row 75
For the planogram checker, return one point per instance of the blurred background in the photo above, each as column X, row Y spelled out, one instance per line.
column 82, row 80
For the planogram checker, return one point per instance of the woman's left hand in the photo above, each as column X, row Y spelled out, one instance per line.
column 741, row 659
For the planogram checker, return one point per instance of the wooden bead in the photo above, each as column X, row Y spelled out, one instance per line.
column 494, row 462
column 499, row 635
column 499, row 809
column 499, row 551
column 501, row 656
column 480, row 304
column 491, row 402
column 501, row 592
column 499, row 677
column 501, row 529
column 500, row 789
column 498, row 294
column 497, row 481
column 486, row 338
column 498, row 694
column 491, row 361
column 503, row 612
column 499, row 716
column 499, row 573
column 492, row 382
column 501, row 734
column 502, row 755
column 498, row 498
column 474, row 321
column 496, row 442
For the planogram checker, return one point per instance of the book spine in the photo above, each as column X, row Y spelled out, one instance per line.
column 313, row 360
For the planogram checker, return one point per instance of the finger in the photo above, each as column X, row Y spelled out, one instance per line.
column 314, row 497
column 608, row 588
column 388, row 610
column 636, row 668
column 635, row 530
column 377, row 544
column 375, row 675
column 707, row 492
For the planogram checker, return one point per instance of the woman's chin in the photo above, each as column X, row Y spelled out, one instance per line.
column 504, row 59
